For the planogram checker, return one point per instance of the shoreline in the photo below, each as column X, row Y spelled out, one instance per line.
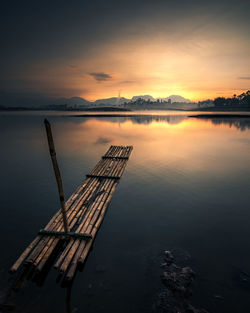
column 220, row 116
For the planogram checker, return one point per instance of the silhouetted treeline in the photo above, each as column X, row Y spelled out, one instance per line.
column 241, row 101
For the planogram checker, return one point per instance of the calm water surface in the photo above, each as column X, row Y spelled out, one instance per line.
column 185, row 188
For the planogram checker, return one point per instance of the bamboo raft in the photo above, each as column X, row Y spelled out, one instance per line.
column 85, row 210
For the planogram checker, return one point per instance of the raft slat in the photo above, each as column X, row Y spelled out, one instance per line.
column 102, row 176
column 45, row 243
column 28, row 250
column 54, row 241
column 85, row 210
column 84, row 226
column 89, row 228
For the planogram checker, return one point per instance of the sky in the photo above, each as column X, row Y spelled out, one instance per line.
column 98, row 49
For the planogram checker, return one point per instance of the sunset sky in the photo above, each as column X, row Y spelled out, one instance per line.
column 96, row 49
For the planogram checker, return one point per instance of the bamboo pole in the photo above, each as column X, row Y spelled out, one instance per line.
column 46, row 241
column 57, row 173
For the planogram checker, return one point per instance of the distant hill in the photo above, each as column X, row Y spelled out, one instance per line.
column 145, row 97
column 34, row 101
column 70, row 101
column 176, row 98
column 111, row 101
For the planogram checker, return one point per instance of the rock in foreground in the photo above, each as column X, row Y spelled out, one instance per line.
column 177, row 288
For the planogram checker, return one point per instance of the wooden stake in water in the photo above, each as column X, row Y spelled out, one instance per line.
column 57, row 173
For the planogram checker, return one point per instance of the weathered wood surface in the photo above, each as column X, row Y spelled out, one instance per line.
column 85, row 210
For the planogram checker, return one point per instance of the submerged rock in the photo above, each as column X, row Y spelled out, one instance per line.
column 177, row 281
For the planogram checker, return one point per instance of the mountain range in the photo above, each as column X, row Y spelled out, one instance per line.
column 116, row 100
column 174, row 98
column 36, row 101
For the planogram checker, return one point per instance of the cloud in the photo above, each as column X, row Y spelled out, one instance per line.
column 100, row 76
column 127, row 82
column 244, row 77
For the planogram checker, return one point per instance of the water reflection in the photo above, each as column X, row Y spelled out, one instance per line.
column 139, row 119
column 171, row 119
column 186, row 143
column 241, row 123
column 68, row 299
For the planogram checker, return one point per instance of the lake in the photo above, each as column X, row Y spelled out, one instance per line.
column 185, row 189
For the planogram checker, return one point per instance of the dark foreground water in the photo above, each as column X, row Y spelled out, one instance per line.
column 186, row 188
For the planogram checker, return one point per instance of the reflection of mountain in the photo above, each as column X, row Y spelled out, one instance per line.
column 241, row 122
column 137, row 119
column 170, row 119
